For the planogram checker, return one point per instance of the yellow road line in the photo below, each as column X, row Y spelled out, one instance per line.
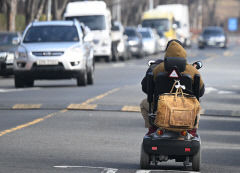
column 85, row 105
column 27, row 106
column 131, row 108
column 87, row 102
column 36, row 121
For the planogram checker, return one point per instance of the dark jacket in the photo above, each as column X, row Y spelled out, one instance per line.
column 176, row 50
column 150, row 69
column 173, row 50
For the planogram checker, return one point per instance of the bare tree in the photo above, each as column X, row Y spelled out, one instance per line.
column 58, row 8
column 34, row 9
column 11, row 14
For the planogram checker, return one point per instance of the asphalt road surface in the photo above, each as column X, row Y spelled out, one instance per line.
column 59, row 127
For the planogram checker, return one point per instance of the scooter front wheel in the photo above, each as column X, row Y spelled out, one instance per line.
column 144, row 159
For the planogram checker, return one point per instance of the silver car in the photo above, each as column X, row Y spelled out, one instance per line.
column 54, row 50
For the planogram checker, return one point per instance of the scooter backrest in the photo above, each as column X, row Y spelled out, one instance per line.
column 171, row 62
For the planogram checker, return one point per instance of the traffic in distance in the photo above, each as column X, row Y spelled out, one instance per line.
column 62, row 50
column 73, row 92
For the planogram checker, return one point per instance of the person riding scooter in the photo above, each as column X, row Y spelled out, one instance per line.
column 174, row 49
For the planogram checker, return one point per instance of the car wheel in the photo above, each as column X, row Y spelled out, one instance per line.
column 82, row 79
column 144, row 159
column 18, row 81
column 108, row 58
column 29, row 83
column 196, row 161
column 90, row 76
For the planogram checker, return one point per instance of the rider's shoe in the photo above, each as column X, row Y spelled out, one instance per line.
column 193, row 132
column 151, row 130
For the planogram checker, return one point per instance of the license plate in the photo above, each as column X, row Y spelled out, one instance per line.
column 47, row 62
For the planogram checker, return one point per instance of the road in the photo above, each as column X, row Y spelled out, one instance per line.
column 59, row 127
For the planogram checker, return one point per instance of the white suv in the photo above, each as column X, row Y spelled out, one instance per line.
column 54, row 50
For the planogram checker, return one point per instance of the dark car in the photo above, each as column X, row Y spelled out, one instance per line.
column 7, row 51
column 134, row 40
column 212, row 36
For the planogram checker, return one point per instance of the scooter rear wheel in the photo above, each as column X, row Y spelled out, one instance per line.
column 145, row 159
column 196, row 161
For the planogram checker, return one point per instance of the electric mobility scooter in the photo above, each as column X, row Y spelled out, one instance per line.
column 164, row 145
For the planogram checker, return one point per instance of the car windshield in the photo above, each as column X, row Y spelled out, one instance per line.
column 6, row 38
column 212, row 32
column 130, row 33
column 95, row 22
column 159, row 24
column 51, row 34
column 145, row 34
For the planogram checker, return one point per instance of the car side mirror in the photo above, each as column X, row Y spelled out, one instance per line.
column 88, row 37
column 16, row 41
column 198, row 64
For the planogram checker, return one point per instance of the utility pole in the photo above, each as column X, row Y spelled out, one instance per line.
column 49, row 10
column 119, row 10
column 150, row 4
column 200, row 15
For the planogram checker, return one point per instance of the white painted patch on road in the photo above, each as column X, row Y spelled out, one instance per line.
column 119, row 65
column 14, row 90
column 225, row 92
column 104, row 169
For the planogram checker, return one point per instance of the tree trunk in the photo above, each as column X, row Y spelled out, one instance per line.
column 12, row 11
column 58, row 8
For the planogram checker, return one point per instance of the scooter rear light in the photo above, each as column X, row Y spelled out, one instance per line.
column 184, row 133
column 159, row 132
column 154, row 148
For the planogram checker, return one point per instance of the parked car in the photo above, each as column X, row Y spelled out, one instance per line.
column 150, row 42
column 135, row 43
column 7, row 52
column 54, row 50
column 120, row 48
column 212, row 36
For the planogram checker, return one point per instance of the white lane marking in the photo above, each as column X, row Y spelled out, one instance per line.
column 212, row 89
column 220, row 145
column 14, row 90
column 143, row 171
column 105, row 170
column 209, row 90
column 148, row 171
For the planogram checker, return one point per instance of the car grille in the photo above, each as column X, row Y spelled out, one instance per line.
column 58, row 67
column 48, row 53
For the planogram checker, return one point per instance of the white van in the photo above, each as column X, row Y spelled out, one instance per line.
column 181, row 17
column 97, row 17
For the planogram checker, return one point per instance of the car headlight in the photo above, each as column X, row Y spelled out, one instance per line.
column 21, row 53
column 132, row 42
column 222, row 38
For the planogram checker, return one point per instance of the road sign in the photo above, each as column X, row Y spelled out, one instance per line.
column 232, row 24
